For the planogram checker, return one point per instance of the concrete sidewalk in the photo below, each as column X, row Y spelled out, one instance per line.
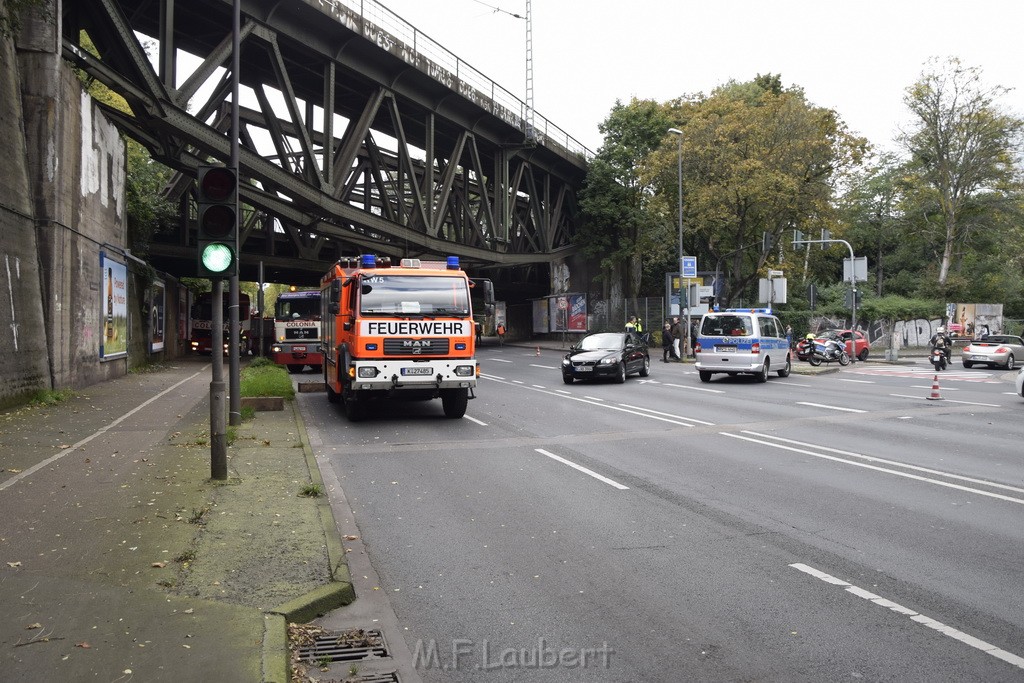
column 120, row 559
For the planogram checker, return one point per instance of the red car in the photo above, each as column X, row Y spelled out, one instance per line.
column 853, row 339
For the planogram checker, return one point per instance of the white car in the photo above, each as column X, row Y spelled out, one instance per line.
column 1020, row 381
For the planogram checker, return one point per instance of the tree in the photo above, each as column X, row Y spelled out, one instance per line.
column 758, row 161
column 618, row 227
column 962, row 148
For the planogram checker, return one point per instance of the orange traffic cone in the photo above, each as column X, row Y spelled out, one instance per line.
column 538, row 351
column 935, row 390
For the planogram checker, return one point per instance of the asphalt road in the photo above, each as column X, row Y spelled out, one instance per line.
column 815, row 528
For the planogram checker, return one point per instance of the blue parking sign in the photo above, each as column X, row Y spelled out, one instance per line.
column 689, row 266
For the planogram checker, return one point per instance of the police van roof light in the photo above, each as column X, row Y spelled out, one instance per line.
column 749, row 310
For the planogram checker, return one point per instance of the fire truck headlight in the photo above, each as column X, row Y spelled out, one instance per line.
column 464, row 370
column 367, row 372
column 275, row 349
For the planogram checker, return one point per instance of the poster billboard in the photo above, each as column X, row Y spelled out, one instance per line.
column 157, row 303
column 567, row 313
column 114, row 308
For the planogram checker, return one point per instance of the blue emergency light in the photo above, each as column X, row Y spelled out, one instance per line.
column 369, row 261
column 453, row 263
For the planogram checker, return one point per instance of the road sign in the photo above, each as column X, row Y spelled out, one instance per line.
column 689, row 266
column 775, row 273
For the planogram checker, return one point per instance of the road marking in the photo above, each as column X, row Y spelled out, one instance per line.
column 917, row 386
column 686, row 386
column 858, row 381
column 518, row 381
column 38, row 466
column 500, row 360
column 584, row 470
column 952, row 400
column 885, row 470
column 655, row 412
column 484, row 374
column 594, row 398
column 793, row 384
column 539, row 386
column 594, row 402
column 563, row 391
column 956, row 634
column 473, row 419
column 822, row 405
column 543, row 367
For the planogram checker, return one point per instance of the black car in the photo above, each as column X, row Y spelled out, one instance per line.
column 607, row 355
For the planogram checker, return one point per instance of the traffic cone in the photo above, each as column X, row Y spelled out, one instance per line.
column 538, row 351
column 935, row 389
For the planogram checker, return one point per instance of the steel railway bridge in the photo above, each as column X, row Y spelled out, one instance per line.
column 358, row 134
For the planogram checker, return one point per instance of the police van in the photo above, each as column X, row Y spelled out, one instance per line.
column 741, row 341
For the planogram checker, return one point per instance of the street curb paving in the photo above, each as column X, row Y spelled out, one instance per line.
column 318, row 601
column 275, row 649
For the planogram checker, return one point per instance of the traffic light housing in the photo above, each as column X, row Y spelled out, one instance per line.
column 217, row 235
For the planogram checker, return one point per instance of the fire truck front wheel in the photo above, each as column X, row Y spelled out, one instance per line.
column 295, row 369
column 454, row 402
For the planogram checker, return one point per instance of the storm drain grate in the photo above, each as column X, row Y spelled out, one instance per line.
column 352, row 645
column 389, row 677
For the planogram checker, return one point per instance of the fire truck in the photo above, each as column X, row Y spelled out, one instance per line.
column 399, row 332
column 297, row 331
column 200, row 337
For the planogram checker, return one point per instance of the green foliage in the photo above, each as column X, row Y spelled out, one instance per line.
column 50, row 397
column 265, row 380
column 618, row 226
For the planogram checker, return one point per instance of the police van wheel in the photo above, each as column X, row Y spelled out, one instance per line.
column 454, row 402
column 762, row 376
column 784, row 372
column 705, row 376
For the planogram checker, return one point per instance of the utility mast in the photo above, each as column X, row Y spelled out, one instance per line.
column 531, row 131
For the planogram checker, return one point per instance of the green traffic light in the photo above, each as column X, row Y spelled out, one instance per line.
column 217, row 257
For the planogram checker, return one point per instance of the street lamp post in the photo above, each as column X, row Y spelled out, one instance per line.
column 686, row 334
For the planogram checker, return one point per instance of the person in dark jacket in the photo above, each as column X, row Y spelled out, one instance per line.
column 666, row 341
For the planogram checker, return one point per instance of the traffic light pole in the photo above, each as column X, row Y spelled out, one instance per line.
column 218, row 431
column 233, row 316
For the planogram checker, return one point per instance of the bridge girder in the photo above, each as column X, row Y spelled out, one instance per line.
column 407, row 165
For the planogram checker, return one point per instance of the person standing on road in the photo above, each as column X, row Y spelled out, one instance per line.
column 677, row 335
column 666, row 341
column 631, row 324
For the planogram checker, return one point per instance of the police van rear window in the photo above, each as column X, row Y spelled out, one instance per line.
column 726, row 326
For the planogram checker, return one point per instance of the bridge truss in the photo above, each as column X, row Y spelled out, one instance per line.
column 420, row 156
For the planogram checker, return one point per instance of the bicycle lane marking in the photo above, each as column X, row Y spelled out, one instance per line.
column 54, row 458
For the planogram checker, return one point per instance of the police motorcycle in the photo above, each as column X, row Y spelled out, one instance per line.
column 938, row 358
column 827, row 349
column 804, row 348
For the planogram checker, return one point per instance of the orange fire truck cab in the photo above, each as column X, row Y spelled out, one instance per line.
column 398, row 332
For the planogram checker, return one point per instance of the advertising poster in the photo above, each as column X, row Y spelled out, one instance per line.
column 114, row 308
column 156, row 317
column 577, row 312
column 540, row 316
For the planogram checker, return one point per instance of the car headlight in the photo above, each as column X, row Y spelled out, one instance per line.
column 610, row 360
column 566, row 361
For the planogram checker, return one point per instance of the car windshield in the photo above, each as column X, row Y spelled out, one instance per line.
column 606, row 340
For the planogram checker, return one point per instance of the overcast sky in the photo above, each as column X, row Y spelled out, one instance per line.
column 856, row 58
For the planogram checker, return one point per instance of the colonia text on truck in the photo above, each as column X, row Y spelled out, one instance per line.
column 399, row 332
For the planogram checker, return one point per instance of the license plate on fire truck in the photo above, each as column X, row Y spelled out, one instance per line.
column 418, row 371
column 299, row 349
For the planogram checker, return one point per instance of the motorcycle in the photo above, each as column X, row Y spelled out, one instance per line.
column 804, row 349
column 938, row 358
column 828, row 351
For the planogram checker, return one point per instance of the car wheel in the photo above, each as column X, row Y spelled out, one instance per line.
column 763, row 375
column 784, row 372
column 968, row 365
column 567, row 379
column 645, row 370
column 1010, row 363
column 454, row 402
column 621, row 377
column 863, row 355
column 705, row 376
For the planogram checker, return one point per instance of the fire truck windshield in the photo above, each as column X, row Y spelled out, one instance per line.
column 414, row 295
